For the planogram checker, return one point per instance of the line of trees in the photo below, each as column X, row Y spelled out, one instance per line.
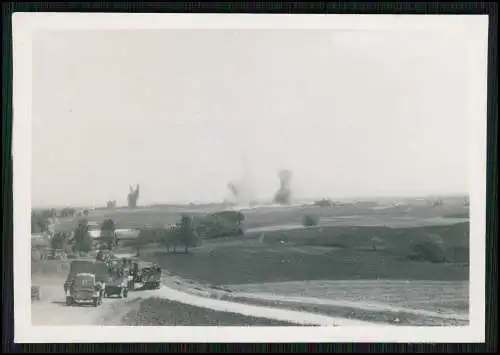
column 39, row 223
column 184, row 233
column 79, row 241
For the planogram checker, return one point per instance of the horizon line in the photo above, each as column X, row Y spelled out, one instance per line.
column 257, row 200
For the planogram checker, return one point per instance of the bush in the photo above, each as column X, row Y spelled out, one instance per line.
column 59, row 240
column 310, row 220
column 217, row 226
column 429, row 247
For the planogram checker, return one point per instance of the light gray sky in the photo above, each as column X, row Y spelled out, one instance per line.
column 182, row 112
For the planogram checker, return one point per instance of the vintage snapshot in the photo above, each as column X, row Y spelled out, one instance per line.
column 261, row 178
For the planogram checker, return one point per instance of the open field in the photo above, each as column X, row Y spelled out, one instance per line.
column 281, row 264
column 445, row 296
column 415, row 214
column 328, row 253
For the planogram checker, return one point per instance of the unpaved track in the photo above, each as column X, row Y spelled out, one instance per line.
column 297, row 317
column 52, row 310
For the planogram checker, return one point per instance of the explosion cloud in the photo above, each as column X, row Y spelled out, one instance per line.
column 284, row 194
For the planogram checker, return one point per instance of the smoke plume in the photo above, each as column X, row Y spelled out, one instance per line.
column 234, row 190
column 284, row 194
column 241, row 190
column 133, row 197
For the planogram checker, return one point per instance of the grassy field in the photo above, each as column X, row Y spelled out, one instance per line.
column 383, row 317
column 351, row 242
column 248, row 262
column 161, row 312
column 412, row 215
column 449, row 296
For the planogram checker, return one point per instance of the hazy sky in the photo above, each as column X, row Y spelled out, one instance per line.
column 182, row 112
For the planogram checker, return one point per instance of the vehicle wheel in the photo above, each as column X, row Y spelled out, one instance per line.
column 69, row 301
column 157, row 285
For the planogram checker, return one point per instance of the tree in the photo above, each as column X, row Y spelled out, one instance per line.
column 428, row 247
column 187, row 233
column 170, row 238
column 83, row 241
column 59, row 240
column 108, row 233
column 39, row 223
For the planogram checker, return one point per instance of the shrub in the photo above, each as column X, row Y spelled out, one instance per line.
column 217, row 226
column 428, row 247
column 59, row 240
column 310, row 220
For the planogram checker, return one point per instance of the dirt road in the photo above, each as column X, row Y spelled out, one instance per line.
column 231, row 307
column 52, row 310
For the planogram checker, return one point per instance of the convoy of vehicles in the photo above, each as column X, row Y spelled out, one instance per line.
column 89, row 281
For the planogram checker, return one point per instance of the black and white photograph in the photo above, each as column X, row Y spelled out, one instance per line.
column 258, row 177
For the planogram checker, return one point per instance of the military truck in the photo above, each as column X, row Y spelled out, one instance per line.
column 145, row 275
column 117, row 285
column 85, row 283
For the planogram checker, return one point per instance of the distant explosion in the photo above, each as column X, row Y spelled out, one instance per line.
column 133, row 197
column 284, row 194
column 234, row 190
column 241, row 190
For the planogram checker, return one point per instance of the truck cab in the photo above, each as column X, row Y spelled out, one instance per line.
column 84, row 288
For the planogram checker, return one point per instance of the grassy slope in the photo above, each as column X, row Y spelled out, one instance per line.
column 339, row 252
column 160, row 312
